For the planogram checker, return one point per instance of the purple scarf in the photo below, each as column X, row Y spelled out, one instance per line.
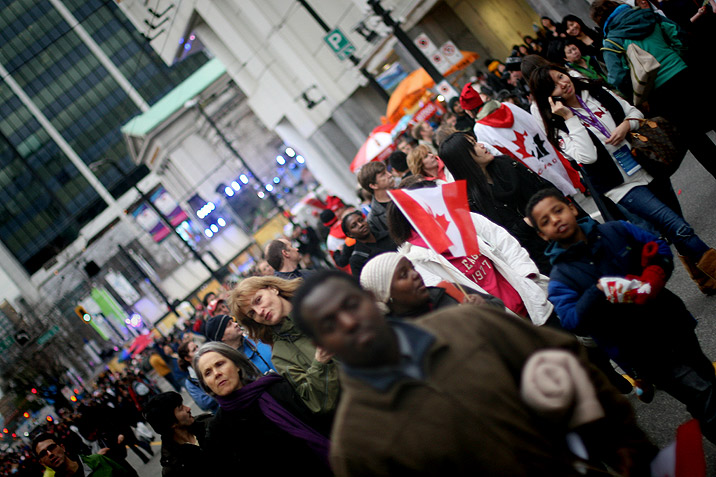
column 257, row 391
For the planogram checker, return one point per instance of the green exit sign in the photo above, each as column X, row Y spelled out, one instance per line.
column 339, row 43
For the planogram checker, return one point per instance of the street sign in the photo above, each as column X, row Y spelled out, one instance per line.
column 339, row 43
column 446, row 89
column 47, row 335
column 451, row 52
column 439, row 62
column 6, row 342
column 425, row 44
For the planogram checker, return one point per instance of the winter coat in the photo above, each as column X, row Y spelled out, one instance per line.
column 466, row 416
column 364, row 251
column 377, row 219
column 651, row 32
column 203, row 400
column 633, row 332
column 101, row 466
column 506, row 254
column 187, row 460
column 513, row 185
column 246, row 442
column 586, row 144
column 294, row 358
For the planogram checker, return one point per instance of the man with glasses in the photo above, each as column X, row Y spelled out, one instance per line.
column 53, row 456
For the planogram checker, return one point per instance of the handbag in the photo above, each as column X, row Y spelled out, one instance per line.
column 657, row 146
column 643, row 68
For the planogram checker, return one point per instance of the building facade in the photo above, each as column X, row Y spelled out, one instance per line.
column 71, row 73
column 50, row 54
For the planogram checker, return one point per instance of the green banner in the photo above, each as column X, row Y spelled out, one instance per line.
column 109, row 306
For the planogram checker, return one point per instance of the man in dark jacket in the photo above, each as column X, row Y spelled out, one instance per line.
column 369, row 241
column 284, row 258
column 182, row 436
column 375, row 179
column 443, row 395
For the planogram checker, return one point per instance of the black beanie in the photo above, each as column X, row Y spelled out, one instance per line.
column 159, row 411
column 215, row 327
column 328, row 217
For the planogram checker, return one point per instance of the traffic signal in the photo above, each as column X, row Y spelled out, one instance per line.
column 82, row 313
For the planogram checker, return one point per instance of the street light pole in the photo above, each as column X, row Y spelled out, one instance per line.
column 195, row 103
column 404, row 39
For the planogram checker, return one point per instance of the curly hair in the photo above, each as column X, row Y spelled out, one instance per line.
column 240, row 302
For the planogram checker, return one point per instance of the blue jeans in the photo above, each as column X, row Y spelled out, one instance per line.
column 642, row 202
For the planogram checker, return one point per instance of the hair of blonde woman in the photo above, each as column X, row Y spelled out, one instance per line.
column 242, row 295
column 415, row 159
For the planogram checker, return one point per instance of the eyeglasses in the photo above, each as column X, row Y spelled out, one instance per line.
column 45, row 452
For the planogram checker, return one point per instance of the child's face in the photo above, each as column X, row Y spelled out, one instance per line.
column 556, row 220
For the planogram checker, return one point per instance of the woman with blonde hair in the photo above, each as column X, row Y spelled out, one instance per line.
column 422, row 161
column 263, row 306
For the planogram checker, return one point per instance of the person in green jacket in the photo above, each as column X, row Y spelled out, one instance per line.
column 263, row 306
column 59, row 463
column 584, row 65
column 673, row 83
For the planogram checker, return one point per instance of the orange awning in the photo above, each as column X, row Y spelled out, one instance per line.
column 409, row 91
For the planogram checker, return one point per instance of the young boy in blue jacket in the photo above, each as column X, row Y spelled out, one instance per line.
column 654, row 335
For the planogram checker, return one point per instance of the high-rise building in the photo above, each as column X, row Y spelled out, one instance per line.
column 73, row 71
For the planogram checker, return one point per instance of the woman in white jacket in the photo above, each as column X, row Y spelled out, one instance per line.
column 591, row 124
column 503, row 268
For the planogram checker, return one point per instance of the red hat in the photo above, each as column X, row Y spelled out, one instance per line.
column 469, row 98
column 334, row 203
column 211, row 308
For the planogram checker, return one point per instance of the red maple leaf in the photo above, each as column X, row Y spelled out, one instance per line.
column 442, row 221
column 520, row 143
column 599, row 113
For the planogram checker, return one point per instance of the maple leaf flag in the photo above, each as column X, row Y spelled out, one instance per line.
column 441, row 216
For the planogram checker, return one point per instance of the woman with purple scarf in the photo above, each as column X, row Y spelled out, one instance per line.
column 261, row 425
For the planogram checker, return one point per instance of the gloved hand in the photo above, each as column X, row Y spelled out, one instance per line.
column 648, row 252
column 654, row 276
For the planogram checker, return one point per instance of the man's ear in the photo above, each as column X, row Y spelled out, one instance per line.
column 373, row 186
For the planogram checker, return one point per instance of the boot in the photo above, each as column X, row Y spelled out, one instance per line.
column 706, row 284
column 707, row 263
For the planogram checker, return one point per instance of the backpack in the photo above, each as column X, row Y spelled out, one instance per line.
column 643, row 68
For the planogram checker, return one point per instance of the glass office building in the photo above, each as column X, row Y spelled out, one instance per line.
column 44, row 200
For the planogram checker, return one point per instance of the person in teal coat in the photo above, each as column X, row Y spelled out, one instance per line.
column 658, row 36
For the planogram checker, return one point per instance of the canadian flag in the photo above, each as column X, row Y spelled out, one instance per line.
column 441, row 216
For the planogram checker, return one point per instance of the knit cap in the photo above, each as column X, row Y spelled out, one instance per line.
column 377, row 274
column 328, row 217
column 469, row 98
column 216, row 326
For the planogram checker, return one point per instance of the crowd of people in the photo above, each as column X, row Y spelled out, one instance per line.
column 383, row 355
